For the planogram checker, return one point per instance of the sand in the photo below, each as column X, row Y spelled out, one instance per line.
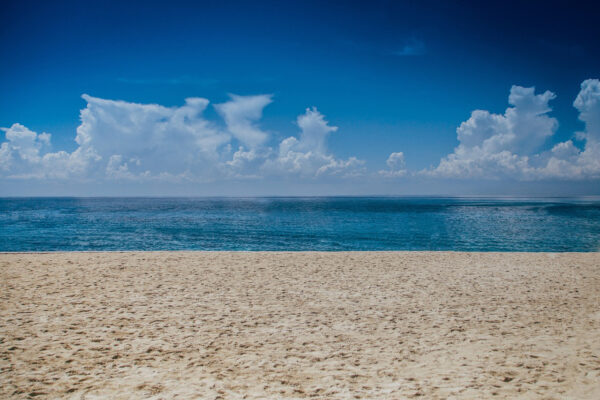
column 384, row 325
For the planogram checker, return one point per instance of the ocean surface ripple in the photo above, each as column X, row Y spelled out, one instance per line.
column 300, row 223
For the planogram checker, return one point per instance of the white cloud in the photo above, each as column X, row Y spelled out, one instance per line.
column 119, row 140
column 26, row 145
column 522, row 128
column 245, row 163
column 308, row 156
column 177, row 140
column 26, row 154
column 504, row 146
column 240, row 115
column 130, row 140
column 588, row 105
column 314, row 131
column 396, row 161
column 567, row 160
column 118, row 169
column 396, row 164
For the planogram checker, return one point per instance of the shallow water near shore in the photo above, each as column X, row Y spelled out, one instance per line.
column 307, row 223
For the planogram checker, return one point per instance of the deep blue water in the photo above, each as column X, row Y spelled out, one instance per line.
column 337, row 223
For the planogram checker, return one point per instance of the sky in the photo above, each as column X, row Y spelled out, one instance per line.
column 211, row 98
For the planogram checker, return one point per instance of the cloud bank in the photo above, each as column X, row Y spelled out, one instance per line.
column 124, row 141
column 119, row 140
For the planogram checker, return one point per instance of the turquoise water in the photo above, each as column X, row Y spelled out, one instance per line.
column 330, row 224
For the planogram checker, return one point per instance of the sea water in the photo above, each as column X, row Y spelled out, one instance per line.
column 300, row 223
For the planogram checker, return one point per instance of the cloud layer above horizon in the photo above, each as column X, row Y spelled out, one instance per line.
column 119, row 140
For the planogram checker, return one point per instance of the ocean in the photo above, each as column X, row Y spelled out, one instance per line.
column 300, row 223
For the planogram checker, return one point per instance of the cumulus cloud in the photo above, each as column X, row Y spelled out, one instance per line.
column 26, row 154
column 396, row 164
column 508, row 145
column 246, row 163
column 119, row 140
column 308, row 155
column 567, row 160
column 494, row 145
column 177, row 140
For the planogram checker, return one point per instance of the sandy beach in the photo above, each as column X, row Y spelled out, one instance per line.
column 225, row 325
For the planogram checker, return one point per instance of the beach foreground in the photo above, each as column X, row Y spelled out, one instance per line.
column 228, row 325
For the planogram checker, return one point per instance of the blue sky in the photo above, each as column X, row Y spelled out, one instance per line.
column 393, row 77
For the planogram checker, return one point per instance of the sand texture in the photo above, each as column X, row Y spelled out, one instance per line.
column 389, row 325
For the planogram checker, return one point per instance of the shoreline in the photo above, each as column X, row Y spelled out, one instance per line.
column 324, row 325
column 294, row 252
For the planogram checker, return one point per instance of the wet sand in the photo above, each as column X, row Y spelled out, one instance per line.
column 383, row 325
